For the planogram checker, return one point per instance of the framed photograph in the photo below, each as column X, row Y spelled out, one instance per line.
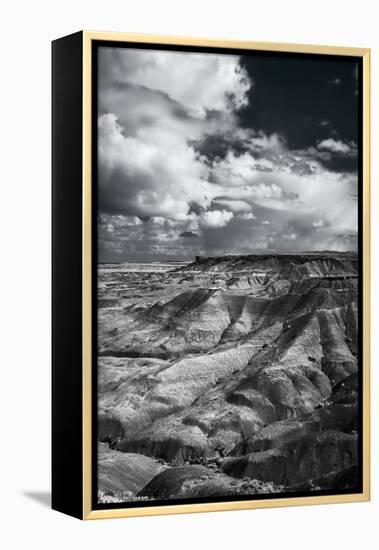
column 210, row 275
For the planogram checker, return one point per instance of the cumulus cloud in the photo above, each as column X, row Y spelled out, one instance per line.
column 234, row 205
column 336, row 146
column 141, row 178
column 148, row 117
column 179, row 174
column 215, row 218
column 200, row 82
column 247, row 216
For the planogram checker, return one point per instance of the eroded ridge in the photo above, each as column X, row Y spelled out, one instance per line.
column 230, row 375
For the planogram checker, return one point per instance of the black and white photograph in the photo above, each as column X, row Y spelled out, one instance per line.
column 190, row 219
column 228, row 275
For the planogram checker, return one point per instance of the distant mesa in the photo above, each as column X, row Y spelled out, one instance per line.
column 291, row 266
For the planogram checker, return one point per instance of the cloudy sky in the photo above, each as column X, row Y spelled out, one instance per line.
column 221, row 154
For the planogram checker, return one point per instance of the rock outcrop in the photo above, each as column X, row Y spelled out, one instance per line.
column 307, row 457
column 199, row 482
column 124, row 473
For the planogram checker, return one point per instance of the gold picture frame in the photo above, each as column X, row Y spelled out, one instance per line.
column 87, row 511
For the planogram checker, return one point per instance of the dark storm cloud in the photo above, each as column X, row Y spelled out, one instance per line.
column 260, row 154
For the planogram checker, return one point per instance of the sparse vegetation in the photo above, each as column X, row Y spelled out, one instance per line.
column 118, row 496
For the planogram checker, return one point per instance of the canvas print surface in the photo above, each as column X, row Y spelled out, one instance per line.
column 228, row 338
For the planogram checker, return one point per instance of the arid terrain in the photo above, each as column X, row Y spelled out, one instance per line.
column 234, row 375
